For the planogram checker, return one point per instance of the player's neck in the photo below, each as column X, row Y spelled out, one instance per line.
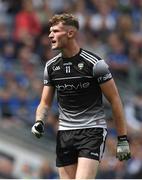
column 71, row 50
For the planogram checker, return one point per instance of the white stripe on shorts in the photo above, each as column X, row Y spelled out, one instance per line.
column 103, row 143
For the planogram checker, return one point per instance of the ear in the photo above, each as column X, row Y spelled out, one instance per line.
column 71, row 34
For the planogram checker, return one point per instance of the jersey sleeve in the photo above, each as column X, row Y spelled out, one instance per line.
column 47, row 78
column 101, row 72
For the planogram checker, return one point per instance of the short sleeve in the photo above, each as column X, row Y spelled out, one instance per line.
column 101, row 72
column 47, row 78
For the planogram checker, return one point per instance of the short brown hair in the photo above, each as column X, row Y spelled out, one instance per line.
column 66, row 19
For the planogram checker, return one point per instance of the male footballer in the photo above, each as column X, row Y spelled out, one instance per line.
column 80, row 78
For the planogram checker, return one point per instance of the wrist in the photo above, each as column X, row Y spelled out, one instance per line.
column 122, row 138
column 39, row 121
column 41, row 114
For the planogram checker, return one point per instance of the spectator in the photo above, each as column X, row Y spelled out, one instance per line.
column 26, row 22
column 133, row 111
column 103, row 21
column 4, row 35
column 6, row 111
column 47, row 172
column 6, row 166
column 117, row 58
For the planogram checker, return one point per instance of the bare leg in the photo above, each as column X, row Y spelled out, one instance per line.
column 87, row 168
column 67, row 172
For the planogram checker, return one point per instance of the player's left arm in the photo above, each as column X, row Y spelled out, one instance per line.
column 110, row 91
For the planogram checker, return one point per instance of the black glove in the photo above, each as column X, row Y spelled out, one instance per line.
column 38, row 129
column 123, row 149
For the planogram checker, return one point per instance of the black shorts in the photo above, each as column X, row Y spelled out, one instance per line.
column 71, row 144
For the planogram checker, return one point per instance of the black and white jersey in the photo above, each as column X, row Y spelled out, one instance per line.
column 77, row 80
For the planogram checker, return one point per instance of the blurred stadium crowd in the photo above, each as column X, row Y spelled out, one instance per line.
column 111, row 29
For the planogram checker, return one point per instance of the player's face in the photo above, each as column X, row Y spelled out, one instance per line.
column 58, row 36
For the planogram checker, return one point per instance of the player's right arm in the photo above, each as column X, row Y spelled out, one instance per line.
column 42, row 110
